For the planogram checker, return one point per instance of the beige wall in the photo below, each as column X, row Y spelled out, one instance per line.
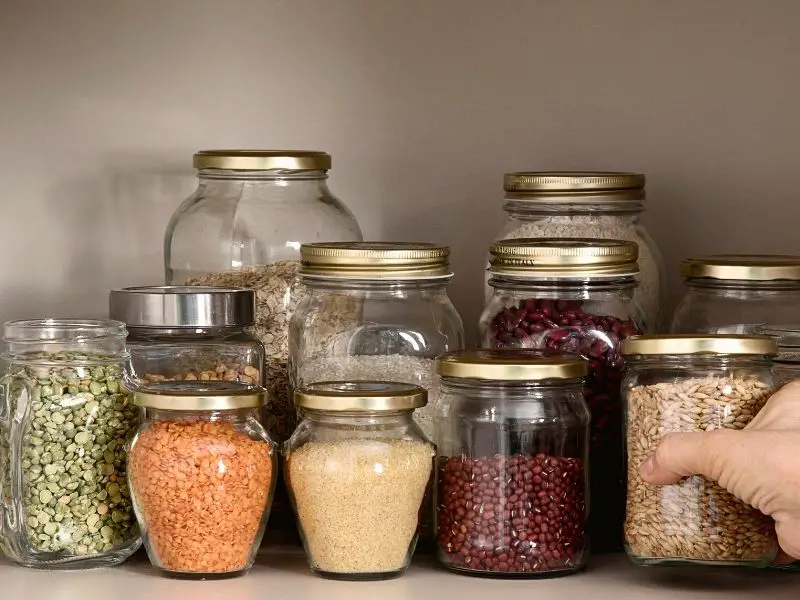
column 423, row 104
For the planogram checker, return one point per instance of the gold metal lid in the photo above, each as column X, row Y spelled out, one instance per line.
column 744, row 267
column 511, row 365
column 263, row 160
column 199, row 395
column 700, row 344
column 574, row 186
column 361, row 396
column 375, row 260
column 563, row 257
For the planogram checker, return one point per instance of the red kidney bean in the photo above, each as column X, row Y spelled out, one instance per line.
column 544, row 532
column 564, row 326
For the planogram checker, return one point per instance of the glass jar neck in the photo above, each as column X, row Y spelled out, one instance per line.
column 692, row 361
column 378, row 286
column 360, row 420
column 511, row 390
column 278, row 176
column 65, row 340
column 191, row 416
column 168, row 333
column 562, row 288
column 522, row 208
column 738, row 288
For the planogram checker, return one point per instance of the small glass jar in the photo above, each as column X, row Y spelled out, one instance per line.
column 202, row 472
column 65, row 419
column 358, row 469
column 587, row 205
column 786, row 365
column 375, row 310
column 243, row 227
column 512, row 473
column 190, row 333
column 738, row 293
column 687, row 383
column 574, row 296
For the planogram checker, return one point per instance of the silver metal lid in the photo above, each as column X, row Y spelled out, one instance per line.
column 183, row 306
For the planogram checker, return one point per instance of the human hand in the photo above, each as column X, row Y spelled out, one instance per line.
column 760, row 464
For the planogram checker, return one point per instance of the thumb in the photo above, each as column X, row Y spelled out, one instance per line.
column 682, row 454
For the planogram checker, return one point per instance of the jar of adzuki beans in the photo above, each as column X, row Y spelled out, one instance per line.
column 574, row 296
column 512, row 473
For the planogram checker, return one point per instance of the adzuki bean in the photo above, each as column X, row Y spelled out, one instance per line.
column 564, row 326
column 512, row 514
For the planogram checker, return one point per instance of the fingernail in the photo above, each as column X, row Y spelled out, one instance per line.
column 648, row 467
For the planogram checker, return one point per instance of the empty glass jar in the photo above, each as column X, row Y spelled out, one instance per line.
column 202, row 472
column 512, row 469
column 358, row 469
column 574, row 296
column 786, row 364
column 190, row 333
column 687, row 383
column 558, row 204
column 65, row 418
column 737, row 294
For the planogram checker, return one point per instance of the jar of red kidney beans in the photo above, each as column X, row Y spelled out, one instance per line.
column 512, row 473
column 574, row 296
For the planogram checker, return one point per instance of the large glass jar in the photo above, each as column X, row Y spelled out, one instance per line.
column 398, row 317
column 190, row 333
column 687, row 383
column 559, row 204
column 243, row 227
column 202, row 472
column 512, row 472
column 574, row 296
column 65, row 419
column 358, row 469
column 738, row 293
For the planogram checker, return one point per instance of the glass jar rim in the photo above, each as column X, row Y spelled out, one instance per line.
column 199, row 396
column 365, row 397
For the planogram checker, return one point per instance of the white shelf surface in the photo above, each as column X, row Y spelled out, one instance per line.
column 287, row 578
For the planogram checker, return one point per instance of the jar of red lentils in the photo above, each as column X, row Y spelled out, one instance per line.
column 574, row 296
column 202, row 473
column 511, row 491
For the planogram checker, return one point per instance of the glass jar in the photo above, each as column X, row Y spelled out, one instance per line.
column 397, row 316
column 358, row 468
column 574, row 296
column 786, row 364
column 65, row 418
column 737, row 293
column 587, row 205
column 686, row 383
column 243, row 227
column 202, row 472
column 512, row 472
column 190, row 333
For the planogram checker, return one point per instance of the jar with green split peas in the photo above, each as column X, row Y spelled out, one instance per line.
column 65, row 419
column 738, row 293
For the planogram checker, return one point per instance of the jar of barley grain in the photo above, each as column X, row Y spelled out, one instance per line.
column 684, row 383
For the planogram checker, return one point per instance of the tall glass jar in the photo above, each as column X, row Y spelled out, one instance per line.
column 243, row 227
column 358, row 468
column 190, row 333
column 202, row 472
column 398, row 317
column 687, row 383
column 65, row 419
column 512, row 472
column 738, row 293
column 558, row 204
column 574, row 296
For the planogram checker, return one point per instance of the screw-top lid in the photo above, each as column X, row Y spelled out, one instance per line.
column 786, row 336
column 199, row 395
column 375, row 260
column 360, row 396
column 567, row 257
column 699, row 344
column 183, row 306
column 511, row 365
column 574, row 186
column 744, row 267
column 263, row 160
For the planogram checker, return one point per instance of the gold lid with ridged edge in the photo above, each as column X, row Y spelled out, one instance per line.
column 263, row 160
column 676, row 344
column 375, row 260
column 563, row 257
column 742, row 267
column 511, row 365
column 574, row 186
column 360, row 396
column 199, row 395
